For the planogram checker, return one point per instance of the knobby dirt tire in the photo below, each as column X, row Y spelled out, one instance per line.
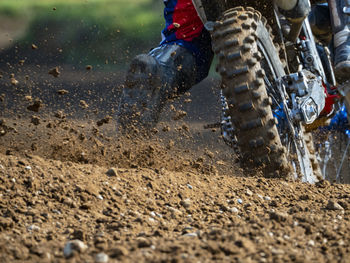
column 237, row 41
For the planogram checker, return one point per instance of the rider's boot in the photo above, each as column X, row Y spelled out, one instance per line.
column 340, row 16
column 152, row 79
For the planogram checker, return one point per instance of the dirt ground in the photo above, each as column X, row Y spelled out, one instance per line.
column 72, row 190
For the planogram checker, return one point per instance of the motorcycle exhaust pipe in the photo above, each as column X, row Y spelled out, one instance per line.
column 295, row 11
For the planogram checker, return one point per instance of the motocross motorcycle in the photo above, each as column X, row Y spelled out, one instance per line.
column 277, row 82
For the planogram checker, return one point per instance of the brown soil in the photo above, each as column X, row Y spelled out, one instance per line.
column 176, row 196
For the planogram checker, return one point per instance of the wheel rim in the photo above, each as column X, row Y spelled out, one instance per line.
column 291, row 136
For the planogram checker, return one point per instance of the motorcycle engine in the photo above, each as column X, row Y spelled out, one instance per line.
column 307, row 95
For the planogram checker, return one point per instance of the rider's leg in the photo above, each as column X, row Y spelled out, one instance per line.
column 340, row 16
column 182, row 60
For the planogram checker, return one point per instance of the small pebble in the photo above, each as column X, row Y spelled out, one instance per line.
column 118, row 251
column 159, row 215
column 332, row 205
column 73, row 245
column 101, row 258
column 186, row 203
column 240, row 201
column 189, row 186
column 33, row 228
column 267, row 198
column 279, row 216
column 112, row 172
column 152, row 220
column 276, row 251
column 233, row 210
column 191, row 235
column 311, row 243
column 153, row 214
column 174, row 211
column 143, row 242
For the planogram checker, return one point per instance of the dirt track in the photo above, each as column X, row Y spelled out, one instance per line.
column 175, row 197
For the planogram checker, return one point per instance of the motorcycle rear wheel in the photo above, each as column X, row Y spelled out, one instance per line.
column 248, row 63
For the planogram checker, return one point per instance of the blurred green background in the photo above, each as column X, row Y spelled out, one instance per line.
column 103, row 33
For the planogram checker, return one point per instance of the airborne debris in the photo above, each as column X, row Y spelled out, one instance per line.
column 35, row 120
column 62, row 92
column 3, row 128
column 105, row 120
column 55, row 72
column 35, row 106
column 28, row 98
column 166, row 128
column 185, row 127
column 170, row 144
column 34, row 46
column 14, row 81
column 60, row 115
column 179, row 115
column 83, row 104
